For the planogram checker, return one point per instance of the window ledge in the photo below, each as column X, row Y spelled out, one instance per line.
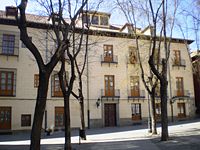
column 7, row 95
column 9, row 55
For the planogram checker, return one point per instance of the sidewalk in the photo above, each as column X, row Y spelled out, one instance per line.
column 183, row 136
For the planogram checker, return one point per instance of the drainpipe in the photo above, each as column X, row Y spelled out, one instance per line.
column 46, row 59
column 88, row 94
column 170, row 92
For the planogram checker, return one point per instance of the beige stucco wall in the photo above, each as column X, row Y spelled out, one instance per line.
column 26, row 67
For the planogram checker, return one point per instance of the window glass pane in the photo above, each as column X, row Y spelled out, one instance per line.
column 8, row 44
column 132, row 55
column 3, row 87
column 36, row 80
column 3, row 81
column 104, row 20
column 9, row 87
column 86, row 18
column 137, row 109
column 3, row 75
column 6, row 83
column 25, row 120
column 95, row 20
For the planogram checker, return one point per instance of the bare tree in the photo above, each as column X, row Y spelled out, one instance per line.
column 61, row 30
column 156, row 14
column 162, row 75
column 191, row 29
column 67, row 85
column 130, row 10
column 191, row 21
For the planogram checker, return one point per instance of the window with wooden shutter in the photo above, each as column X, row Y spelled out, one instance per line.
column 132, row 55
column 136, row 111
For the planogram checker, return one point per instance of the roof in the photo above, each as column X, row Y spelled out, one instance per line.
column 43, row 22
column 97, row 12
column 195, row 55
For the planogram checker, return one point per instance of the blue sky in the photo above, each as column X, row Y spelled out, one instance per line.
column 116, row 15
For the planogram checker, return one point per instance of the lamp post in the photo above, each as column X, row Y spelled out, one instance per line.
column 98, row 102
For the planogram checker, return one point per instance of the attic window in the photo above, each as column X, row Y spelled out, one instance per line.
column 103, row 20
column 85, row 17
column 95, row 20
column 11, row 11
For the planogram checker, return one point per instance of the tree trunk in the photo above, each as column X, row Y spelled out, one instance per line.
column 39, row 111
column 153, row 115
column 82, row 117
column 67, row 123
column 150, row 115
column 164, row 117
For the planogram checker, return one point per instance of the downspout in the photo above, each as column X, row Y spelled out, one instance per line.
column 88, row 94
column 46, row 59
column 170, row 92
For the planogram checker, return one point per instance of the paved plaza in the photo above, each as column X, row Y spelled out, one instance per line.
column 184, row 135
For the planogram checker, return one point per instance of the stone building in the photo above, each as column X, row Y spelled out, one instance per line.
column 114, row 92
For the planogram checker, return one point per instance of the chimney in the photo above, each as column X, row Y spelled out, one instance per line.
column 11, row 11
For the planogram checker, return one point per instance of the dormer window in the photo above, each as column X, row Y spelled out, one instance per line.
column 11, row 11
column 95, row 20
column 104, row 20
column 86, row 18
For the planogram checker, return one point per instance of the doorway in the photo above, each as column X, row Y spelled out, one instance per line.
column 110, row 115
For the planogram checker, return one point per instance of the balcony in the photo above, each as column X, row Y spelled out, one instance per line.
column 181, row 93
column 110, row 93
column 109, row 59
column 179, row 63
column 136, row 94
column 157, row 94
column 132, row 61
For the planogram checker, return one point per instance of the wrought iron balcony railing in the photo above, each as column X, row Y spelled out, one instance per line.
column 136, row 94
column 109, row 59
column 179, row 63
column 110, row 93
column 181, row 93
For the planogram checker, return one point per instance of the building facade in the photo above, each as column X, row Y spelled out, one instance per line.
column 114, row 92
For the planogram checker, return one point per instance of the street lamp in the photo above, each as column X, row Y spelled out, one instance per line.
column 98, row 102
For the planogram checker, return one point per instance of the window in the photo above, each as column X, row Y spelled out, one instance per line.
column 179, row 86
column 95, row 20
column 177, row 57
column 5, row 118
column 136, row 111
column 86, row 18
column 7, row 86
column 109, row 85
column 56, row 90
column 134, row 84
column 23, row 45
column 108, row 53
column 157, row 90
column 158, row 110
column 59, row 116
column 103, row 20
column 8, row 44
column 36, row 80
column 25, row 120
column 132, row 55
column 181, row 110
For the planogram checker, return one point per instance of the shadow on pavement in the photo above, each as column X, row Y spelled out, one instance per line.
column 120, row 145
column 191, row 142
